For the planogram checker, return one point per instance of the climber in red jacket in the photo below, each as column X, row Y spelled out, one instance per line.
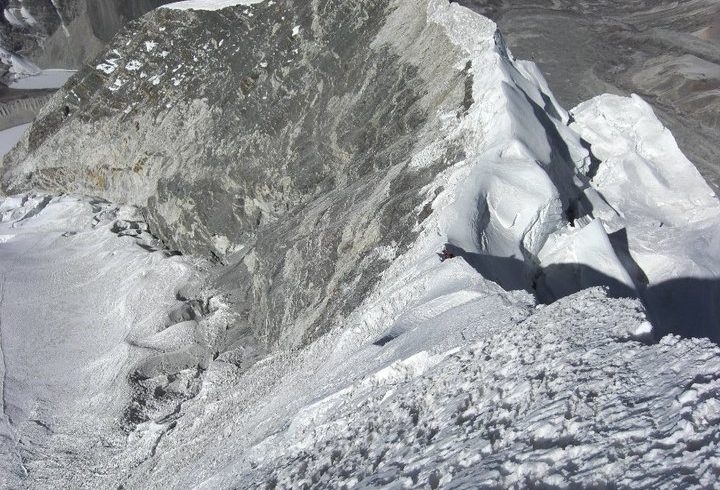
column 446, row 254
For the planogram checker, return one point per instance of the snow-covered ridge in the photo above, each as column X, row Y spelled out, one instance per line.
column 565, row 398
column 443, row 374
column 531, row 207
column 556, row 396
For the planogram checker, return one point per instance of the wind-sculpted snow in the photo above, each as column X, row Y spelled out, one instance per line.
column 567, row 398
column 440, row 379
column 459, row 392
column 668, row 231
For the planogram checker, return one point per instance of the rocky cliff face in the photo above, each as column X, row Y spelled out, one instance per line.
column 277, row 137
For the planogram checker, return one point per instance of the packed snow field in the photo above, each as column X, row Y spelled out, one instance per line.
column 79, row 285
column 566, row 344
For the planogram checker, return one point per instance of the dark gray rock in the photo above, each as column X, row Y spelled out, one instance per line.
column 275, row 138
column 20, row 106
column 50, row 36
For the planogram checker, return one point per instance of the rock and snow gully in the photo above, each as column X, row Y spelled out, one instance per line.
column 308, row 160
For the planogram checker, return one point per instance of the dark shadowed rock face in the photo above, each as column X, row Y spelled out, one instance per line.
column 666, row 51
column 275, row 137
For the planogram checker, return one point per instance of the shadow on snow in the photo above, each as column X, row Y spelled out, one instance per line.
column 688, row 307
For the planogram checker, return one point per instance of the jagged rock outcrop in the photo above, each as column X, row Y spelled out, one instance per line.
column 284, row 132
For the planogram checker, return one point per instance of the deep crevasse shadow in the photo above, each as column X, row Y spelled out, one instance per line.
column 688, row 307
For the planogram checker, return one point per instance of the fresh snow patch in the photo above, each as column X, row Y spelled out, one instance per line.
column 20, row 17
column 117, row 85
column 108, row 67
column 133, row 65
column 643, row 331
column 76, row 290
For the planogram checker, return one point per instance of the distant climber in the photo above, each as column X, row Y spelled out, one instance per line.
column 446, row 254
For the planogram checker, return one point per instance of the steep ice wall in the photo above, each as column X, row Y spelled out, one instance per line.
column 667, row 228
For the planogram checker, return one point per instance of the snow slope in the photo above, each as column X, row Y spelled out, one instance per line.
column 447, row 374
column 9, row 137
column 568, row 397
column 442, row 378
column 76, row 290
column 667, row 224
column 446, row 380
